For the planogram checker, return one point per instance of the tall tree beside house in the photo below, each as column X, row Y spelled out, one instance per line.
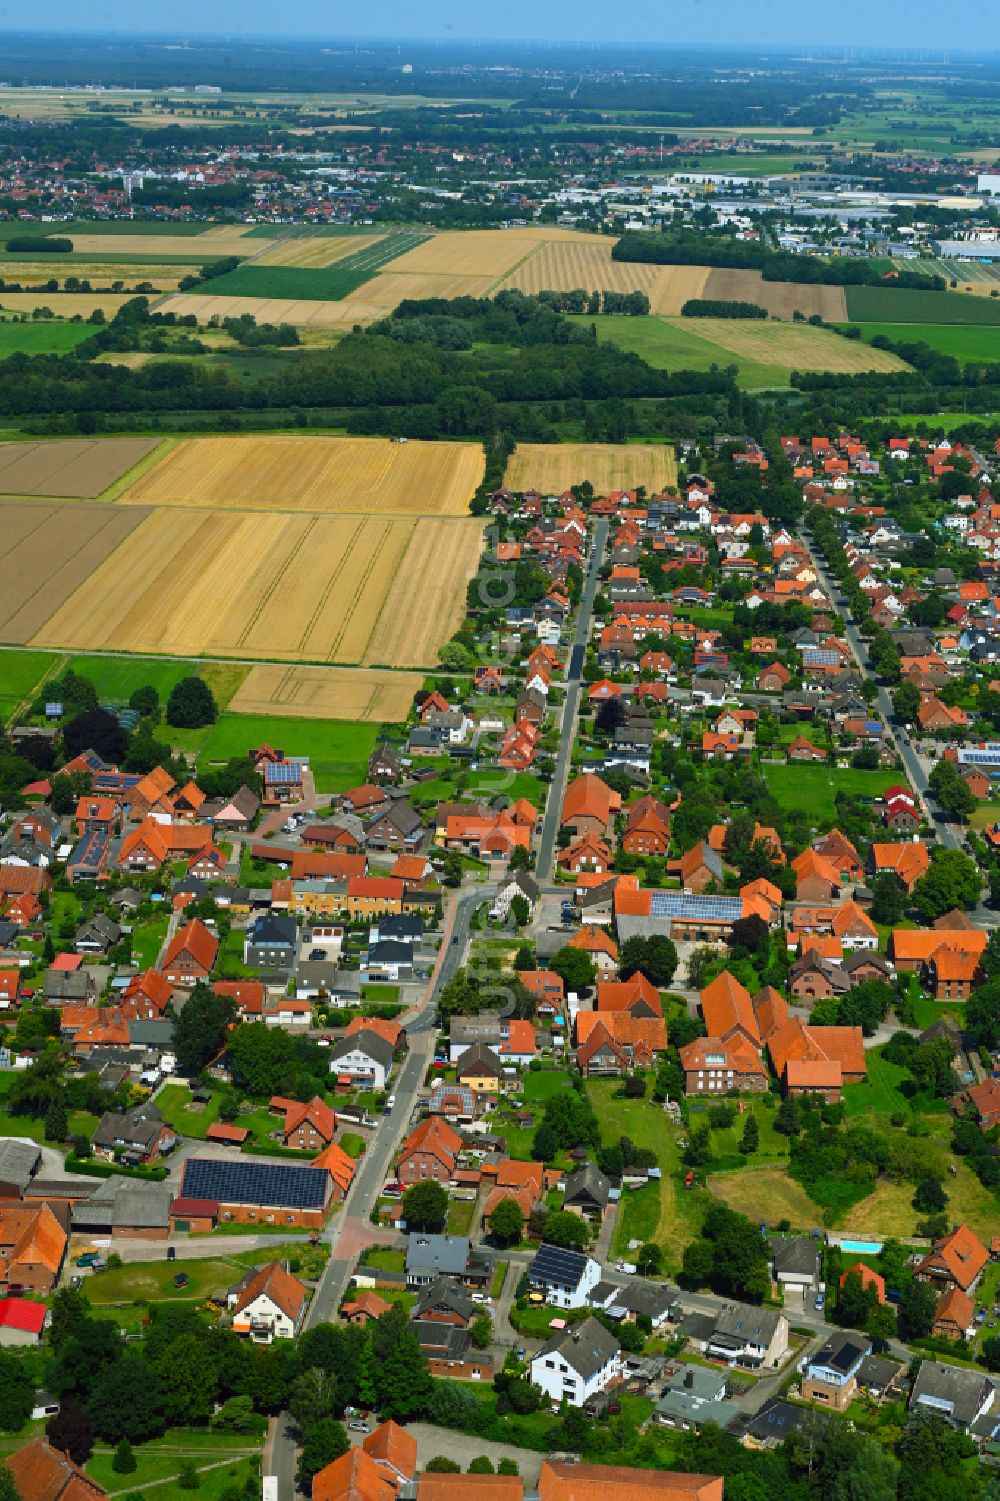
column 567, row 1230
column 952, row 880
column 56, row 1122
column 425, row 1205
column 574, row 966
column 201, row 1028
column 97, row 730
column 71, row 1430
column 888, row 899
column 750, row 1140
column 655, row 957
column 263, row 1058
column 322, row 1443
column 520, row 911
column 405, row 1384
column 507, row 1222
column 16, row 1392
column 191, row 704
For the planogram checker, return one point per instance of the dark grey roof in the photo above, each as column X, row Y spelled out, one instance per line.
column 587, row 1183
column 446, row 1255
column 19, row 1160
column 367, row 1042
column 390, row 951
column 556, row 1265
column 745, row 1321
column 479, row 1056
column 586, row 1346
column 962, row 1390
column 841, row 1351
column 273, row 928
column 877, row 1372
column 795, row 1254
column 444, row 1293
column 775, row 1421
column 651, row 1298
column 139, row 1127
column 281, row 1185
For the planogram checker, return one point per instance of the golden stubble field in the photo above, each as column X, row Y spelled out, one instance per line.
column 304, row 313
column 795, row 345
column 365, row 475
column 356, row 693
column 312, row 252
column 781, row 298
column 552, row 468
column 300, row 588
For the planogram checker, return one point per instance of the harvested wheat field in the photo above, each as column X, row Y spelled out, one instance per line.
column 355, row 693
column 68, row 304
column 426, row 602
column 304, row 313
column 48, row 551
column 563, row 266
column 286, row 587
column 553, row 467
column 364, row 475
column 387, row 290
column 674, row 286
column 313, row 251
column 475, row 252
column 781, row 298
column 795, row 345
column 78, row 468
column 101, row 275
column 230, row 242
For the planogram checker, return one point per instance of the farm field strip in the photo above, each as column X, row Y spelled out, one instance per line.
column 358, row 694
column 476, row 252
column 75, row 468
column 557, row 266
column 276, row 586
column 223, row 240
column 331, row 283
column 312, row 251
column 552, row 468
column 49, row 551
column 780, row 298
column 906, row 305
column 969, row 343
column 674, row 286
column 390, row 288
column 65, row 304
column 304, row 312
column 345, row 475
column 425, row 601
column 795, row 345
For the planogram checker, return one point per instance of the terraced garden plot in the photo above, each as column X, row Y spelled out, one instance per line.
column 552, row 468
column 48, row 551
column 357, row 694
column 79, row 468
column 340, row 475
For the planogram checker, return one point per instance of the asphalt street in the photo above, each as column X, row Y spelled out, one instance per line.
column 567, row 727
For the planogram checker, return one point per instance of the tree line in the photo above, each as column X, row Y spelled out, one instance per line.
column 672, row 248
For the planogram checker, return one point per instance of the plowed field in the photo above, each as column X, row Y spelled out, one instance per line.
column 76, row 467
column 328, row 693
column 552, row 468
column 366, row 475
column 48, row 551
column 781, row 298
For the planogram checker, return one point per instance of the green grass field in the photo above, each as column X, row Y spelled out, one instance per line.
column 667, row 344
column 44, row 337
column 330, row 284
column 968, row 343
column 21, row 672
column 221, row 1459
column 904, row 305
column 338, row 750
column 117, row 678
column 813, row 788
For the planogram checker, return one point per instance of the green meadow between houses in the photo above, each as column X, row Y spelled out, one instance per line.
column 813, row 788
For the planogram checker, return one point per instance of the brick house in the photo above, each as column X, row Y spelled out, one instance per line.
column 190, row 955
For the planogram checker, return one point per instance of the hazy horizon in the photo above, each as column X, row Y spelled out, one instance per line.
column 905, row 27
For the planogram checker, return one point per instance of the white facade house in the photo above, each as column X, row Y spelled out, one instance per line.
column 365, row 1058
column 578, row 1364
column 267, row 1304
column 563, row 1278
column 746, row 1336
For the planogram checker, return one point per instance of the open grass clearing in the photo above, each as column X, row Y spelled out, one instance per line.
column 766, row 1194
column 47, row 336
column 968, row 343
column 338, row 752
column 552, row 468
column 889, row 1210
column 813, row 788
column 677, row 344
column 22, row 671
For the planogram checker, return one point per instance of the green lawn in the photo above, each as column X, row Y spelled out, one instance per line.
column 117, row 678
column 813, row 788
column 385, row 1257
column 969, row 343
column 147, row 939
column 155, row 1280
column 668, row 344
column 22, row 671
column 329, row 284
column 158, row 1463
column 905, row 305
column 338, row 750
column 47, row 336
column 880, row 1091
column 174, row 1104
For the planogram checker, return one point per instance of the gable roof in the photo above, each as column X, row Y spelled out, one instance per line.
column 571, row 1482
column 273, row 1281
column 42, row 1473
column 726, row 1007
column 194, row 939
column 959, row 1256
column 391, row 1445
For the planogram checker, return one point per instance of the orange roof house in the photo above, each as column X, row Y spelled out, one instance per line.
column 190, row 955
column 315, row 1121
column 954, row 1315
column 957, row 1260
column 869, row 1278
column 817, row 1060
column 909, row 948
column 836, row 848
column 276, row 1284
column 570, row 1482
column 598, row 944
column 339, row 1165
column 355, row 1476
column 727, row 1010
column 32, row 1246
column 645, row 1034
column 907, row 859
column 42, row 1473
column 638, row 996
column 816, row 878
column 394, row 1449
column 590, row 805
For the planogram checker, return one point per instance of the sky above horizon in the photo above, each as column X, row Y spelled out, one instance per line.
column 898, row 24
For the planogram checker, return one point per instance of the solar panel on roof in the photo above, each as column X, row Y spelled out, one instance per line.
column 554, row 1264
column 272, row 1184
column 282, row 773
column 820, row 658
column 696, row 908
column 987, row 755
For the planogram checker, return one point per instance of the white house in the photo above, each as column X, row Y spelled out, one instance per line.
column 364, row 1058
column 564, row 1278
column 519, row 883
column 747, row 1336
column 577, row 1364
column 267, row 1304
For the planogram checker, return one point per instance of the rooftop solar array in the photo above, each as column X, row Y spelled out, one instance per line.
column 980, row 755
column 554, row 1264
column 283, row 773
column 269, row 1184
column 814, row 658
column 696, row 908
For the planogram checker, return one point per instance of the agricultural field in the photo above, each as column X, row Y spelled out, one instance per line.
column 222, row 240
column 795, row 346
column 323, row 284
column 338, row 752
column 558, row 266
column 359, row 694
column 65, row 304
column 48, row 551
column 21, row 672
column 351, row 589
column 780, row 298
column 553, row 468
column 44, row 337
column 78, row 468
column 970, row 344
column 338, row 475
column 385, row 292
column 303, row 313
column 676, row 285
column 475, row 252
column 313, row 252
column 904, row 305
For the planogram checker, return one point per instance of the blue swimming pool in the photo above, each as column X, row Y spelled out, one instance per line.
column 862, row 1247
